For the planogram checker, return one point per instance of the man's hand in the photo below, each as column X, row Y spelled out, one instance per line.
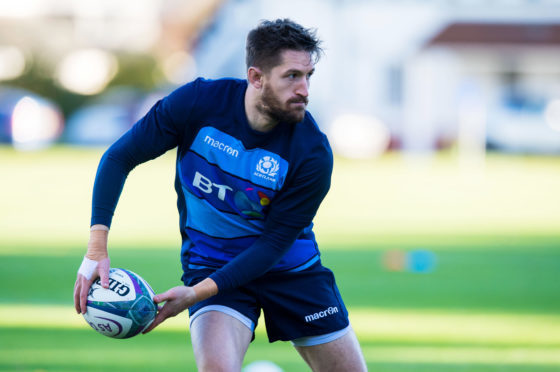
column 180, row 298
column 83, row 284
column 176, row 299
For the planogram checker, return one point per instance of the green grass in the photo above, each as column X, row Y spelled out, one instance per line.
column 490, row 304
column 81, row 350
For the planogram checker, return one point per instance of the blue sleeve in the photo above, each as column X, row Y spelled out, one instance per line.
column 160, row 130
column 291, row 211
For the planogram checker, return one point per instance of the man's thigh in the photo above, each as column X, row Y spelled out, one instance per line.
column 219, row 341
column 341, row 355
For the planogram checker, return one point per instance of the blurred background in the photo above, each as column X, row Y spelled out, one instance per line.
column 414, row 76
column 443, row 220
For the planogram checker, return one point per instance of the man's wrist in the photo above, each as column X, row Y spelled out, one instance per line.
column 97, row 245
column 99, row 227
column 205, row 289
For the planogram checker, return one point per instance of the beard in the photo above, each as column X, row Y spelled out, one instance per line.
column 272, row 107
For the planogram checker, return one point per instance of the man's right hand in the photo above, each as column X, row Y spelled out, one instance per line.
column 83, row 284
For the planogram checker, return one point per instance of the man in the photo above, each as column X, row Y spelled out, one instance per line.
column 252, row 169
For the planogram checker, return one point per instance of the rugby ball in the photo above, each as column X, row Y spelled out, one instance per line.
column 124, row 309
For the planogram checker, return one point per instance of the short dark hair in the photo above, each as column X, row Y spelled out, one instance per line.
column 269, row 39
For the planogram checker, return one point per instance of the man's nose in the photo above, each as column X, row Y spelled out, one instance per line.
column 303, row 88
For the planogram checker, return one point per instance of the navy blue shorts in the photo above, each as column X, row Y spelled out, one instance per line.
column 296, row 305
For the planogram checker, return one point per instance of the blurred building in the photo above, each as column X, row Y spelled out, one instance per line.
column 486, row 84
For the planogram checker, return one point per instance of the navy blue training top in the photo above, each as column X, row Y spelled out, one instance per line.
column 246, row 199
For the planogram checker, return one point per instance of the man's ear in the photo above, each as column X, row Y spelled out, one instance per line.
column 255, row 77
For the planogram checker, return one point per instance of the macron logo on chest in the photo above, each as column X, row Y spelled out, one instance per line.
column 221, row 146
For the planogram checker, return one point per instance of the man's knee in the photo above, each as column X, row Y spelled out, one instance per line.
column 227, row 358
column 217, row 364
column 342, row 354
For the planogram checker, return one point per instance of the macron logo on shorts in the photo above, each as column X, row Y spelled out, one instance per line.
column 321, row 314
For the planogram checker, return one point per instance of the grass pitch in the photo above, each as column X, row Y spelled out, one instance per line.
column 490, row 304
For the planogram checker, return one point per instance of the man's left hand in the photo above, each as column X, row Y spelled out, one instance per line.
column 176, row 300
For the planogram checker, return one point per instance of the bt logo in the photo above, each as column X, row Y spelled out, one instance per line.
column 205, row 185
